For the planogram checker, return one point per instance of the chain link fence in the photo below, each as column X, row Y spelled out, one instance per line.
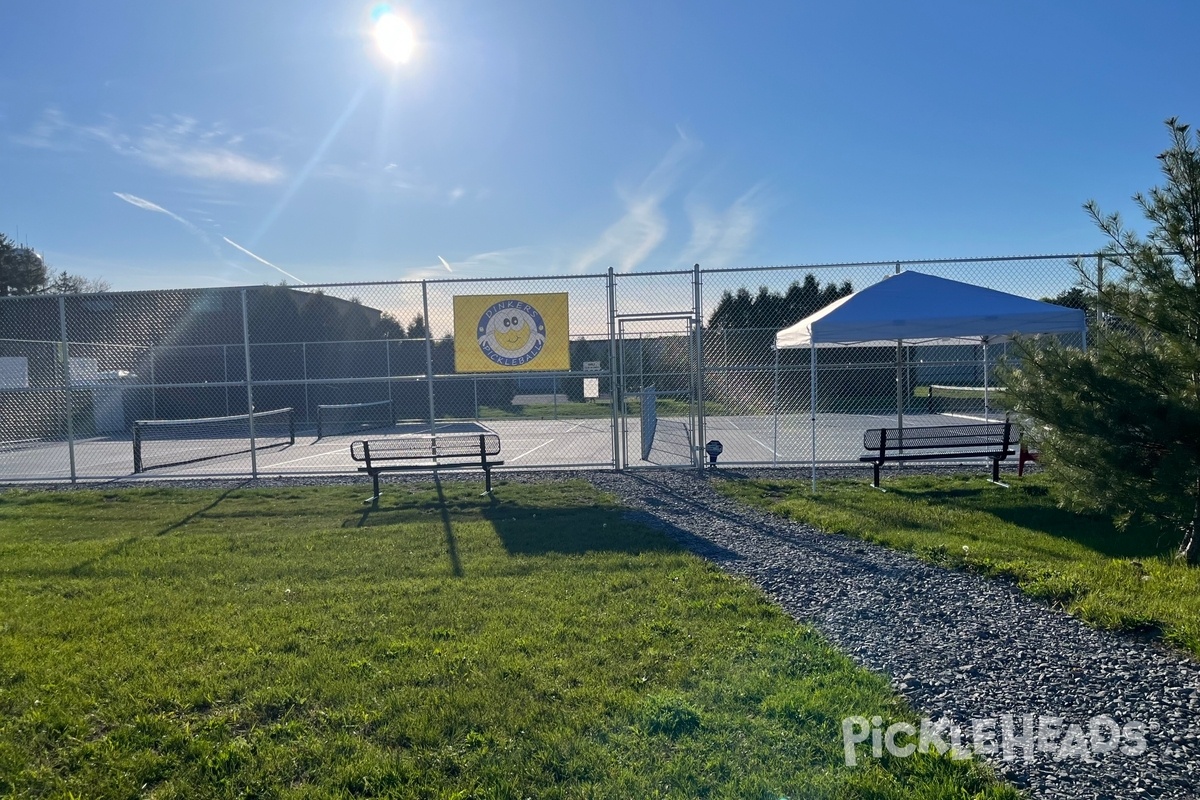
column 646, row 368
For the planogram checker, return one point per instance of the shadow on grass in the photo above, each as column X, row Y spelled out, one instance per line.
column 89, row 566
column 571, row 531
column 538, row 520
column 451, row 542
column 1030, row 507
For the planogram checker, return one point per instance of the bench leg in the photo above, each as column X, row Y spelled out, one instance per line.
column 374, row 498
column 487, row 481
column 875, row 465
column 996, row 473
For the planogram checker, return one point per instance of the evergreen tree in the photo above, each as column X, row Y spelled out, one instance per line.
column 21, row 269
column 1120, row 424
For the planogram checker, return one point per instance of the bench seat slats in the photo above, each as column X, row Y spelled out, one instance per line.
column 427, row 452
column 425, row 447
column 992, row 440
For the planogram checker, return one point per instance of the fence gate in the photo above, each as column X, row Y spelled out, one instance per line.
column 657, row 390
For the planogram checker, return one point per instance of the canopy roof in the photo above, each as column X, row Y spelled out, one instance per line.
column 915, row 306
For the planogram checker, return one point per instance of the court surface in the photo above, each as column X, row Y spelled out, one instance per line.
column 748, row 441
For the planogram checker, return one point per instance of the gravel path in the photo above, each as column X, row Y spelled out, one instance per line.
column 957, row 646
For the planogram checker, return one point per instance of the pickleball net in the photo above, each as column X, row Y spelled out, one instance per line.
column 344, row 418
column 966, row 400
column 174, row 442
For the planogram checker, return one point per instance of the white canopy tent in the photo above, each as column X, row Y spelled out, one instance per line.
column 915, row 308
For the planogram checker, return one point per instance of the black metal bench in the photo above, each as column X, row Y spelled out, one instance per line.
column 434, row 451
column 992, row 440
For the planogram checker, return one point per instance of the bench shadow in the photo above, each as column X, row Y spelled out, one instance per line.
column 451, row 541
column 531, row 527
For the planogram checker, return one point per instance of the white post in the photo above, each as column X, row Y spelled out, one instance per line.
column 775, row 440
column 900, row 389
column 812, row 403
column 614, row 375
column 987, row 412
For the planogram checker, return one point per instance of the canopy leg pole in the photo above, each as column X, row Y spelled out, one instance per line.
column 987, row 411
column 775, row 440
column 900, row 390
column 812, row 405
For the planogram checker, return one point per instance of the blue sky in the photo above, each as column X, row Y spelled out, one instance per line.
column 160, row 144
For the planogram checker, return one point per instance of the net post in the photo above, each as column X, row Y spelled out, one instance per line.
column 137, row 448
column 249, row 385
column 291, row 426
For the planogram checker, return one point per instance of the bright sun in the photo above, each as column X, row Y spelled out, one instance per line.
column 393, row 37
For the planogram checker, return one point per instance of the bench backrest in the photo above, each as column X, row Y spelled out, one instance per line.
column 969, row 435
column 415, row 446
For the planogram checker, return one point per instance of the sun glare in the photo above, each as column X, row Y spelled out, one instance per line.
column 393, row 37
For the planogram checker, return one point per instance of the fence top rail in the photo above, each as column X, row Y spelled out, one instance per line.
column 906, row 263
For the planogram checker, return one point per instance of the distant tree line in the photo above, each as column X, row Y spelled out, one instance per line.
column 23, row 271
column 775, row 310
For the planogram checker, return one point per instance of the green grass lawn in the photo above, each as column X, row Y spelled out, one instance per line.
column 1111, row 578
column 174, row 643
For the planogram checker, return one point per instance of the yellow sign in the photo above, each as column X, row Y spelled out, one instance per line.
column 511, row 332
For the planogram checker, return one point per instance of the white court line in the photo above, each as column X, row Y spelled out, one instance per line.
column 326, row 454
column 770, row 449
column 527, row 452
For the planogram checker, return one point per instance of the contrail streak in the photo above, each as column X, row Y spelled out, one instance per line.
column 445, row 264
column 142, row 203
column 262, row 260
column 146, row 205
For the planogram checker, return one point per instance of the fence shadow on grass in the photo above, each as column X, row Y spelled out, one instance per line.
column 89, row 566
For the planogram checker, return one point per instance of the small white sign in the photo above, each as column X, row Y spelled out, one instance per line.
column 591, row 388
column 591, row 366
column 14, row 372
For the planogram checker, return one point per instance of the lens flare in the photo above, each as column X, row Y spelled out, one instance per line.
column 393, row 36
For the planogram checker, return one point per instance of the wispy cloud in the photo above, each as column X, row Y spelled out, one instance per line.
column 393, row 179
column 720, row 238
column 641, row 229
column 262, row 260
column 177, row 145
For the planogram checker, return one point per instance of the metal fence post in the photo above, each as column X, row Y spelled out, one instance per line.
column 69, row 403
column 249, row 386
column 697, row 455
column 153, row 387
column 304, row 375
column 428, row 354
column 387, row 349
column 612, row 368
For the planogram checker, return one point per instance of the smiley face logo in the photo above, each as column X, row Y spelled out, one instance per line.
column 511, row 333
